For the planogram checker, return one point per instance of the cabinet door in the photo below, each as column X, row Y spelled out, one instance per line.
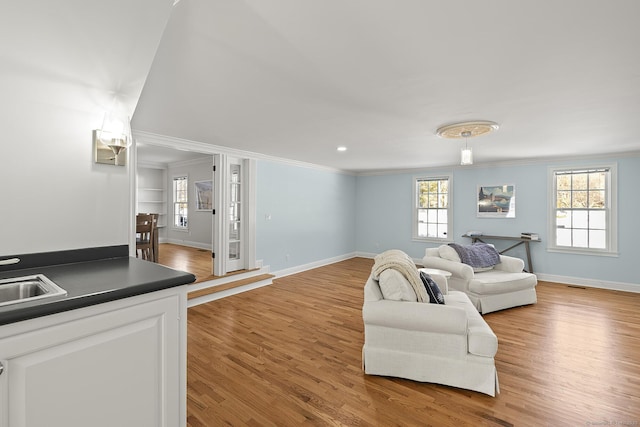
column 119, row 368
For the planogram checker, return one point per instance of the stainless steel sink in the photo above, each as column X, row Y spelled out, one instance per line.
column 28, row 291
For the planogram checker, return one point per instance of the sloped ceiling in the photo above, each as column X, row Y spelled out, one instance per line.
column 84, row 55
column 297, row 78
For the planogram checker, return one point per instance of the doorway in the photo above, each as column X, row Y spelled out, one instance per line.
column 231, row 220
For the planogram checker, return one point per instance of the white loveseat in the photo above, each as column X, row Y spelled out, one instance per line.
column 505, row 285
column 448, row 344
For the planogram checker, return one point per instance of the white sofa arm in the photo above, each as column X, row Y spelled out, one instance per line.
column 416, row 316
column 510, row 264
column 457, row 269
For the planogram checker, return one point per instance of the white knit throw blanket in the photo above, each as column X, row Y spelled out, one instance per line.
column 398, row 260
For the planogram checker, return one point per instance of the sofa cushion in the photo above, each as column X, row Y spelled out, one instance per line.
column 435, row 295
column 481, row 339
column 394, row 286
column 447, row 252
column 499, row 282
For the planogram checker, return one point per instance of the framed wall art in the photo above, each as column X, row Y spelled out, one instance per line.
column 497, row 201
column 204, row 195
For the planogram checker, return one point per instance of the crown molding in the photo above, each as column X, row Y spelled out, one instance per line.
column 205, row 148
column 151, row 165
column 502, row 163
column 202, row 147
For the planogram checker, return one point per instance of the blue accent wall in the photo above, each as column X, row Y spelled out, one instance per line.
column 318, row 214
column 385, row 202
column 312, row 215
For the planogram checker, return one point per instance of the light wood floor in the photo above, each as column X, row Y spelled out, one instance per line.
column 192, row 260
column 290, row 354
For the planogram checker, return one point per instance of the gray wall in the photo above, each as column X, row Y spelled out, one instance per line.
column 200, row 222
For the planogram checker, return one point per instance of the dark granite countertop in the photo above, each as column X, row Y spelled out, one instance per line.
column 90, row 276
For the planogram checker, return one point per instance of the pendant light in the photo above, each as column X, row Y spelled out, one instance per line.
column 466, row 130
column 466, row 153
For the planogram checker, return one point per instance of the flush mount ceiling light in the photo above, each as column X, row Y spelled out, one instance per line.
column 466, row 130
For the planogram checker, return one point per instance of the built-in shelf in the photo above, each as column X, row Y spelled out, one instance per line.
column 152, row 193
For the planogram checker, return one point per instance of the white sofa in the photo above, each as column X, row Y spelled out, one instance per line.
column 503, row 286
column 448, row 344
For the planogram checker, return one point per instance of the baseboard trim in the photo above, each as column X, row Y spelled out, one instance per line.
column 371, row 255
column 365, row 255
column 312, row 265
column 590, row 283
column 197, row 245
column 566, row 280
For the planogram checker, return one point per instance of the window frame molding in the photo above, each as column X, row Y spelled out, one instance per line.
column 174, row 227
column 414, row 211
column 612, row 208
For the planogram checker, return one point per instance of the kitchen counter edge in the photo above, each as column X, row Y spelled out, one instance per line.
column 90, row 276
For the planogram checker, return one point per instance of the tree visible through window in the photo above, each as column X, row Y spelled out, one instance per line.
column 180, row 202
column 433, row 208
column 583, row 208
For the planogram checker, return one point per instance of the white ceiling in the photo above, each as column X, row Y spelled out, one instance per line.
column 297, row 78
column 88, row 56
column 163, row 156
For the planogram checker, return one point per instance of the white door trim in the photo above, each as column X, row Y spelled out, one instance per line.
column 250, row 166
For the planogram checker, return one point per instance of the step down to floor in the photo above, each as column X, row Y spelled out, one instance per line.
column 230, row 285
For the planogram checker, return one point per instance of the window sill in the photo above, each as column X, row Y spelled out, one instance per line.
column 431, row 240
column 578, row 251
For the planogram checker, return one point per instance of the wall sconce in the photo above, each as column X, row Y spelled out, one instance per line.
column 111, row 141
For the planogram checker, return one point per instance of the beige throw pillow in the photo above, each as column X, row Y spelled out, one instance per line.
column 394, row 286
column 447, row 252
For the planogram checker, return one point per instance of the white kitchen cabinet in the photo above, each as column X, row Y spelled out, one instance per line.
column 120, row 363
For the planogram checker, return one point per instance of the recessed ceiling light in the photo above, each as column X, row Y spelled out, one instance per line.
column 342, row 148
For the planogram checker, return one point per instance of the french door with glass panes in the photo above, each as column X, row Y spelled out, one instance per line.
column 233, row 244
column 235, row 225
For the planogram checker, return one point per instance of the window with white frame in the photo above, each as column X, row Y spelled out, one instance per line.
column 583, row 212
column 432, row 210
column 180, row 202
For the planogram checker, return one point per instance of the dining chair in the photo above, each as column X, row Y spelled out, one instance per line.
column 155, row 249
column 144, row 237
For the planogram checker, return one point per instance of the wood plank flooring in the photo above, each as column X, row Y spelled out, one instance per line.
column 193, row 260
column 290, row 354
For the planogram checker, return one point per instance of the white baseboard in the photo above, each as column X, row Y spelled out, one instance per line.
column 197, row 245
column 590, row 283
column 312, row 265
column 371, row 255
column 577, row 281
column 365, row 255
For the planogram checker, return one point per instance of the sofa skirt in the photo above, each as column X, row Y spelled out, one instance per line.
column 471, row 373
